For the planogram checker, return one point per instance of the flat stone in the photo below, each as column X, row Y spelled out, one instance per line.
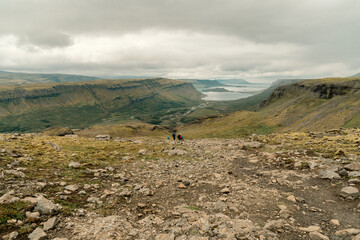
column 329, row 174
column 50, row 224
column 10, row 236
column 349, row 192
column 354, row 174
column 38, row 234
column 317, row 236
column 347, row 232
column 72, row 188
column 274, row 225
column 355, row 166
column 313, row 228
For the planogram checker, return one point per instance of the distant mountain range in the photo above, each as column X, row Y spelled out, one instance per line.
column 27, row 78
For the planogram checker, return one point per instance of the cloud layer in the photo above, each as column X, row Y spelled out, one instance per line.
column 249, row 39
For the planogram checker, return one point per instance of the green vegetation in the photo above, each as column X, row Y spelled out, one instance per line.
column 10, row 211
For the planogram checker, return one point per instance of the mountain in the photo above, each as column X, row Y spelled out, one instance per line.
column 356, row 75
column 203, row 83
column 306, row 105
column 33, row 107
column 26, row 78
column 232, row 81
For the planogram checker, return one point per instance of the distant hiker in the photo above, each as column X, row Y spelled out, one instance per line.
column 168, row 138
column 174, row 134
column 180, row 137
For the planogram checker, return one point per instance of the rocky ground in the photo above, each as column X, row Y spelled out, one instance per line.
column 279, row 186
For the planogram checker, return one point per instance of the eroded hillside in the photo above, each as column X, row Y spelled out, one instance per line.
column 278, row 186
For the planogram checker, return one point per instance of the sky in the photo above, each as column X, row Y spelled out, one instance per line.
column 255, row 40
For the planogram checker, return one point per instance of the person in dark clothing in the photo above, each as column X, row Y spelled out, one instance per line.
column 180, row 137
column 174, row 134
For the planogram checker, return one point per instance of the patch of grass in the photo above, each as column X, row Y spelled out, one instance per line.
column 14, row 210
column 194, row 208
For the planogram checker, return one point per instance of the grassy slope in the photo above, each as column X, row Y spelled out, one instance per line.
column 78, row 105
column 298, row 108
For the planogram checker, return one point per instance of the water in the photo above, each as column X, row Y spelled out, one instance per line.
column 236, row 91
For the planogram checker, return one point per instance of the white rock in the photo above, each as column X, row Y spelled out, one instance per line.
column 38, row 234
column 72, row 188
column 311, row 229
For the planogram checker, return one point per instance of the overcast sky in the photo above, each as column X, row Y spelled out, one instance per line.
column 250, row 39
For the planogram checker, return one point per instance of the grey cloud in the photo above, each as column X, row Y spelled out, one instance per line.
column 327, row 30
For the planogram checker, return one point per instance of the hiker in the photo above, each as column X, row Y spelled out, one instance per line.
column 180, row 137
column 174, row 135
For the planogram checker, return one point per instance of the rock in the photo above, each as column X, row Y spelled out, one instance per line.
column 225, row 191
column 142, row 152
column 45, row 206
column 180, row 185
column 10, row 236
column 50, row 224
column 32, row 217
column 274, row 225
column 74, row 165
column 15, row 173
column 186, row 183
column 354, row 174
column 94, row 200
column 165, row 236
column 177, row 152
column 317, row 236
column 72, row 188
column 8, row 198
column 335, row 222
column 347, row 232
column 329, row 174
column 247, row 145
column 311, row 229
column 357, row 237
column 355, row 166
column 105, row 137
column 38, row 234
column 291, row 198
column 340, row 153
column 349, row 192
column 60, row 239
column 126, row 193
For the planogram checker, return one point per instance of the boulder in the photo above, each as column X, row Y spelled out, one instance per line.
column 38, row 234
column 45, row 206
column 349, row 192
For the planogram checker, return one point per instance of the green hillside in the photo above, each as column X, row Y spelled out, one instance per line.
column 307, row 105
column 33, row 107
